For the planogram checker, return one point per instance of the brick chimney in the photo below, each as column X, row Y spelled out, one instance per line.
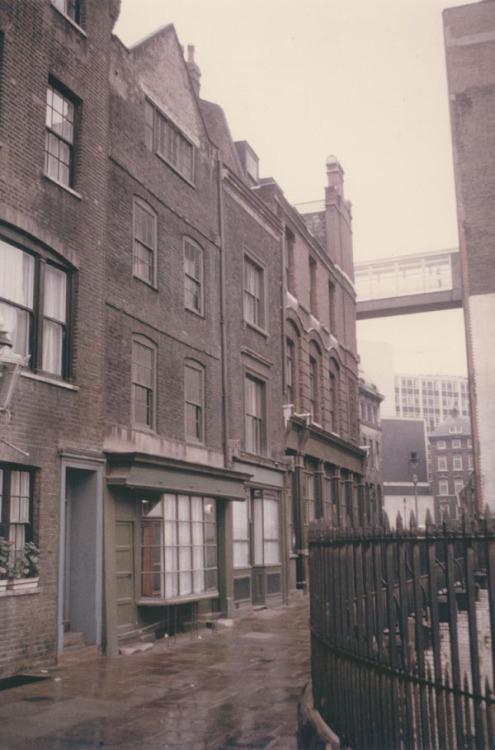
column 194, row 70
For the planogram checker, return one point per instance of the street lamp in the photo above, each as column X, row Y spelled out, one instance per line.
column 413, row 469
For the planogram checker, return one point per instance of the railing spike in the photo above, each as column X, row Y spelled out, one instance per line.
column 428, row 520
column 399, row 523
column 413, row 526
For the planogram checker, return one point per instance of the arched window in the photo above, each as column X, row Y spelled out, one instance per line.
column 314, row 383
column 292, row 366
column 334, row 375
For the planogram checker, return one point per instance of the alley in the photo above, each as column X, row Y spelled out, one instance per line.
column 234, row 688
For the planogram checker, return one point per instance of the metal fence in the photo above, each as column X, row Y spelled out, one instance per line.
column 402, row 626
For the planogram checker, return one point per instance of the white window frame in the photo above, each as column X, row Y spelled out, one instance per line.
column 254, row 293
column 193, row 277
column 255, row 415
column 60, row 135
column 169, row 142
column 35, row 305
column 443, row 484
column 144, row 245
column 457, row 462
column 194, row 402
column 241, row 535
column 442, row 463
column 181, row 562
column 140, row 384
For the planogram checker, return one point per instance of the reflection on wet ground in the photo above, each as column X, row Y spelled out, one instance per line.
column 236, row 688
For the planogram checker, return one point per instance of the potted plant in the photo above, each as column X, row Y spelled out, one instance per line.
column 5, row 550
column 25, row 568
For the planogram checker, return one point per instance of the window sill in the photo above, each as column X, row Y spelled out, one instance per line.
column 197, row 313
column 148, row 284
column 63, row 186
column 70, row 20
column 256, row 328
column 155, row 601
column 50, row 381
column 19, row 587
column 174, row 169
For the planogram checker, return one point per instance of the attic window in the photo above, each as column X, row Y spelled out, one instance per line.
column 70, row 8
column 165, row 139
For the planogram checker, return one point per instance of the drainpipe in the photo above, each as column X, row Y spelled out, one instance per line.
column 223, row 331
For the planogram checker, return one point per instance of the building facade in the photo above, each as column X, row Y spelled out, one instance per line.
column 451, row 461
column 166, row 448
column 431, row 397
column 470, row 55
column 321, row 372
column 371, row 440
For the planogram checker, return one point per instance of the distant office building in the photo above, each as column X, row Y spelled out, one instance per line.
column 433, row 398
column 451, row 461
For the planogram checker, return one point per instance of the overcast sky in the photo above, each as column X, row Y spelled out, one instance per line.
column 362, row 79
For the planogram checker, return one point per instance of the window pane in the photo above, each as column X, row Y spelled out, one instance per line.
column 55, row 294
column 16, row 276
column 258, row 531
column 53, row 336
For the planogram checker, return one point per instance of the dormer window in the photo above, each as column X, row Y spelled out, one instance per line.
column 163, row 137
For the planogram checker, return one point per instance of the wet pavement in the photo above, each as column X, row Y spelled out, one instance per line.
column 237, row 687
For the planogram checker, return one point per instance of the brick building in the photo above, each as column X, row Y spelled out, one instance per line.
column 142, row 270
column 371, row 440
column 470, row 55
column 321, row 382
column 53, row 183
column 451, row 462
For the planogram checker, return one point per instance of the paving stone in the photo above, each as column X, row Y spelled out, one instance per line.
column 236, row 688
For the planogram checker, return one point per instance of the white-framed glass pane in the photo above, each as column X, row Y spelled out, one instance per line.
column 258, row 530
column 53, row 342
column 185, row 583
column 55, row 302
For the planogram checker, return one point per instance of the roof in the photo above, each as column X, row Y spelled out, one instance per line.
column 219, row 132
column 400, row 437
column 452, row 426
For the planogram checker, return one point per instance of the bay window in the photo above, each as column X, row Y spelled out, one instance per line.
column 179, row 547
column 34, row 296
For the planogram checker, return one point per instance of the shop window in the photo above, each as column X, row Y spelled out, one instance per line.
column 240, row 520
column 179, row 547
column 266, row 531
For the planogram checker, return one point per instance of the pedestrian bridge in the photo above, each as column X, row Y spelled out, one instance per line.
column 408, row 284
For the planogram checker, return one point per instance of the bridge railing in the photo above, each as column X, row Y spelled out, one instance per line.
column 403, row 276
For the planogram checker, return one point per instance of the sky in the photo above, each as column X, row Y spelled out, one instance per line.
column 362, row 80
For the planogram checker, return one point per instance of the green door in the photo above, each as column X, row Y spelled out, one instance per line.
column 126, row 608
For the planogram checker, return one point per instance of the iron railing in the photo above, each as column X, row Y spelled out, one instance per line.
column 402, row 626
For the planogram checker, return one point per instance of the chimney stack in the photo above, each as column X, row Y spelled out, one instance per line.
column 194, row 70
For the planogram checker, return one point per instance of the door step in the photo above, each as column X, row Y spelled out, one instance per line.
column 75, row 649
